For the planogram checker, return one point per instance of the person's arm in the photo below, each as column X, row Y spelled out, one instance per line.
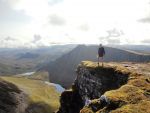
column 104, row 51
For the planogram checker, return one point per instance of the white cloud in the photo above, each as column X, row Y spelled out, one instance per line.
column 146, row 41
column 84, row 21
column 36, row 38
column 56, row 20
column 145, row 20
column 9, row 39
column 10, row 42
column 12, row 3
column 84, row 27
column 113, row 36
column 113, row 41
column 54, row 2
column 114, row 33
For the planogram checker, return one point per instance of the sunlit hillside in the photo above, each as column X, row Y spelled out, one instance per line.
column 42, row 97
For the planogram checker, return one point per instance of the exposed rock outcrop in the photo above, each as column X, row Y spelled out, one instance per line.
column 12, row 99
column 125, row 91
column 92, row 82
column 71, row 102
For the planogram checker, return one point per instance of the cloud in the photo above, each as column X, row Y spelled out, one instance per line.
column 9, row 42
column 56, row 20
column 113, row 41
column 84, row 27
column 110, row 40
column 145, row 20
column 83, row 20
column 36, row 38
column 36, row 41
column 112, row 37
column 11, row 3
column 39, row 41
column 9, row 39
column 7, row 13
column 53, row 2
column 114, row 33
column 146, row 41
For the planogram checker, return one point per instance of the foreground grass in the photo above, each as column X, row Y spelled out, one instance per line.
column 38, row 92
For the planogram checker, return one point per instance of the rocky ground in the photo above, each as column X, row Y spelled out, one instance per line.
column 141, row 68
column 12, row 99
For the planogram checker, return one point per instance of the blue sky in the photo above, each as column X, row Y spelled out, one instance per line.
column 35, row 23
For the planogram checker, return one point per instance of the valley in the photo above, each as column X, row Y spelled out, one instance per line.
column 42, row 83
column 20, row 60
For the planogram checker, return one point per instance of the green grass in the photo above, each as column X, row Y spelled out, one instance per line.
column 39, row 93
column 43, row 75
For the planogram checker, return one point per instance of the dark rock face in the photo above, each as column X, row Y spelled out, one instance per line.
column 70, row 102
column 12, row 100
column 93, row 82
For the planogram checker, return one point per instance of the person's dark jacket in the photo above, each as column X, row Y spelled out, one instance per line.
column 101, row 51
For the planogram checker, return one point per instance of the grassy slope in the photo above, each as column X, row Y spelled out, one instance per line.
column 41, row 75
column 9, row 70
column 38, row 92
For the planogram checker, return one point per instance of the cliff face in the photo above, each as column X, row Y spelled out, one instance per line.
column 92, row 82
column 123, row 90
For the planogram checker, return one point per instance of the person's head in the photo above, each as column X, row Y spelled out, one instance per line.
column 100, row 45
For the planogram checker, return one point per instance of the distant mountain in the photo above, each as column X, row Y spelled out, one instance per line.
column 138, row 48
column 28, row 55
column 62, row 71
column 20, row 60
column 10, row 70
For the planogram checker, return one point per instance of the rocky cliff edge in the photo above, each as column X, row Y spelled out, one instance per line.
column 112, row 88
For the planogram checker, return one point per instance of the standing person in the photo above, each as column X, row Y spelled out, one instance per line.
column 101, row 53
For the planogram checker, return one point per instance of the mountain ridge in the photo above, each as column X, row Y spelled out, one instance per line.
column 67, row 64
